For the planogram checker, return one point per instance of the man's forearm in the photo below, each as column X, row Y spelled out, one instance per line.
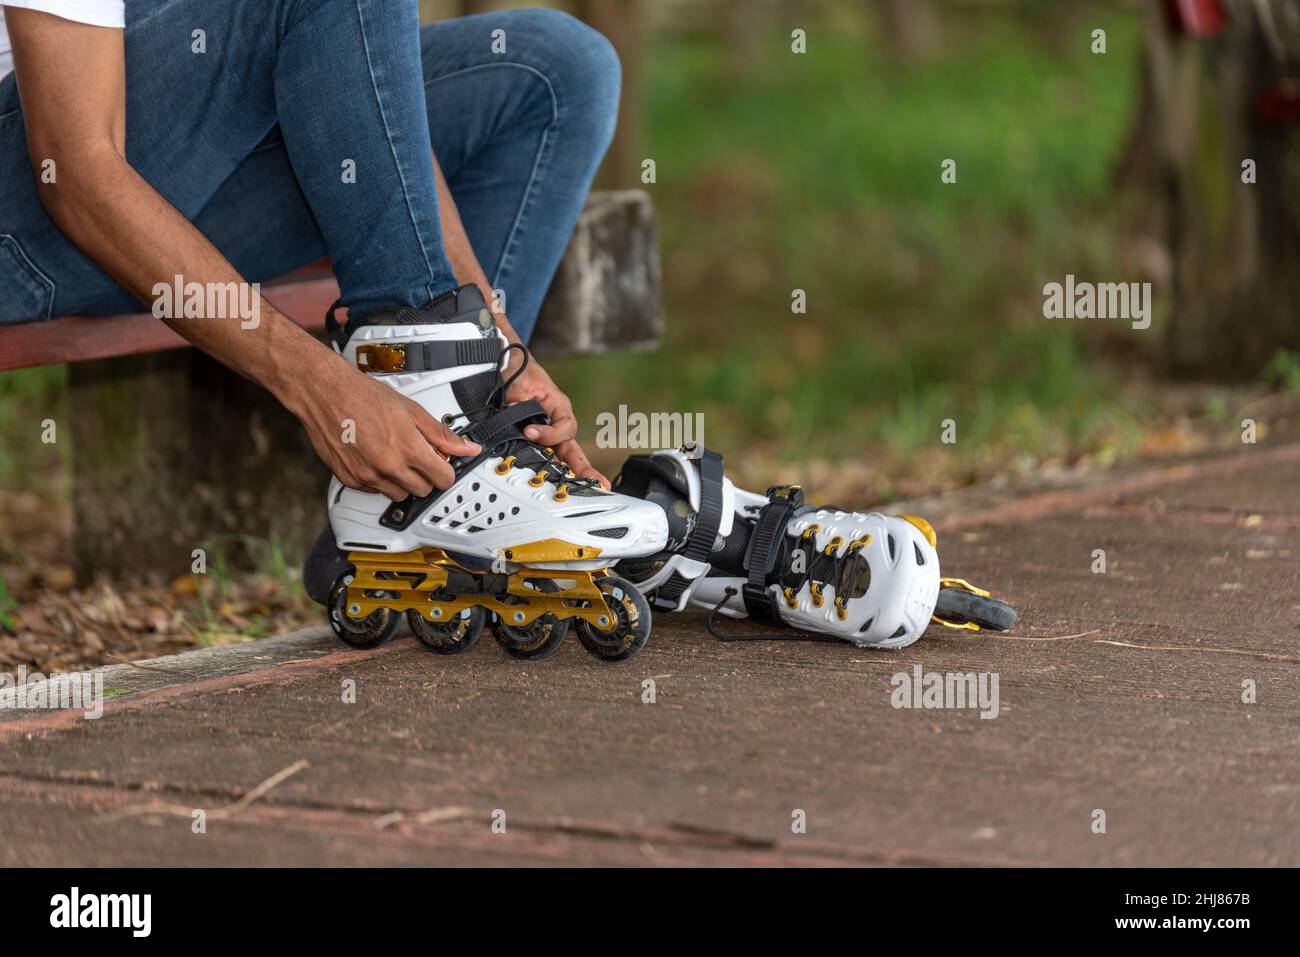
column 121, row 223
column 464, row 263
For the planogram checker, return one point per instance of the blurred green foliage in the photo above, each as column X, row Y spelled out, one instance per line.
column 822, row 172
column 27, row 398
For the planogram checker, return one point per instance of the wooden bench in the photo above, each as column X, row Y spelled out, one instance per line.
column 172, row 451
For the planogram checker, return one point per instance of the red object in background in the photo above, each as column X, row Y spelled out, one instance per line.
column 1278, row 105
column 1198, row 18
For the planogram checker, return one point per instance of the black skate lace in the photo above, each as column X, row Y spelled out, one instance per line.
column 823, row 567
column 793, row 634
column 521, row 451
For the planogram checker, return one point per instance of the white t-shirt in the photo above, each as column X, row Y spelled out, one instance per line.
column 99, row 13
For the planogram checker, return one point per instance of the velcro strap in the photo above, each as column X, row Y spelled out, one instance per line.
column 708, row 519
column 761, row 555
column 507, row 419
column 428, row 356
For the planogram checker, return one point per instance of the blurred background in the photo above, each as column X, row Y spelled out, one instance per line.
column 1117, row 159
column 821, row 172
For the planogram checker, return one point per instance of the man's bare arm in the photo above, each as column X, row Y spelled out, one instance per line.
column 72, row 85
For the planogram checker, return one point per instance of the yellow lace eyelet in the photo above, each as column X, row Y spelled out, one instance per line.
column 833, row 544
column 789, row 597
column 505, row 465
column 816, row 591
column 538, row 479
column 562, row 494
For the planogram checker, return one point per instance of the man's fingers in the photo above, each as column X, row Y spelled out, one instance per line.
column 414, row 482
column 440, row 437
column 431, row 468
column 572, row 453
column 390, row 490
column 560, row 431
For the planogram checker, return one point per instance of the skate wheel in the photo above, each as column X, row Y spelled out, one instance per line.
column 451, row 637
column 369, row 632
column 539, row 639
column 958, row 606
column 631, row 626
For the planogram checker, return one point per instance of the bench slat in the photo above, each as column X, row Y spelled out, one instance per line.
column 605, row 296
column 79, row 338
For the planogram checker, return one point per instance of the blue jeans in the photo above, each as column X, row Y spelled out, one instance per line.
column 251, row 141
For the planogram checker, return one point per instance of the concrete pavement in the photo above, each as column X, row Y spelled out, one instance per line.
column 1119, row 692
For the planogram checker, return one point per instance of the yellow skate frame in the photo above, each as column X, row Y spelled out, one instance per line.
column 964, row 585
column 415, row 576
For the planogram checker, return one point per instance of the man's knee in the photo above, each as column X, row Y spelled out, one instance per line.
column 580, row 59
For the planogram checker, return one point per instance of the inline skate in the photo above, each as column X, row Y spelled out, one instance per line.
column 868, row 578
column 516, row 538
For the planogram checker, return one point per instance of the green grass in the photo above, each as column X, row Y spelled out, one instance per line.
column 821, row 172
column 1283, row 371
column 8, row 607
column 28, row 398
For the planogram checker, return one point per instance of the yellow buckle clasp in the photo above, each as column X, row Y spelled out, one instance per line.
column 381, row 358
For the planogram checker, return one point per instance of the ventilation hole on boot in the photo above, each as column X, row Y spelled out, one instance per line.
column 863, row 629
column 902, row 630
column 460, row 499
column 609, row 532
column 474, row 528
column 453, row 524
column 515, row 510
column 855, row 580
column 492, row 497
column 478, row 507
column 474, row 487
column 920, row 559
column 489, row 519
column 893, row 549
column 501, row 516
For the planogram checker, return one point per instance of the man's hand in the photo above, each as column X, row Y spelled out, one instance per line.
column 372, row 437
column 561, row 433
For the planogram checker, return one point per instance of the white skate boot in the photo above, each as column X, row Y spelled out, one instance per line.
column 868, row 578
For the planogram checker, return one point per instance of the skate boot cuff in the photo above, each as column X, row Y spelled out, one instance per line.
column 465, row 304
column 703, row 535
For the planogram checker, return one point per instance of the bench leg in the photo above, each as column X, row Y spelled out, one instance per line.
column 175, row 452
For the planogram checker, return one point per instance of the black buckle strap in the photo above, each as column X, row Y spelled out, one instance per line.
column 708, row 519
column 380, row 356
column 486, row 430
column 761, row 555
